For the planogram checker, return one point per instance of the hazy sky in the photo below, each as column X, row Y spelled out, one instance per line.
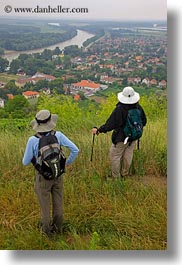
column 97, row 9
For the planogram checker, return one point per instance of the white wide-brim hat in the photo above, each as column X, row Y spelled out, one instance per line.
column 44, row 121
column 128, row 96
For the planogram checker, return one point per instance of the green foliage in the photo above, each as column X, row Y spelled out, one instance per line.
column 154, row 106
column 93, row 39
column 18, row 107
column 36, row 62
column 13, row 124
column 71, row 116
column 15, row 65
column 73, row 50
column 55, row 85
column 94, row 241
column 11, row 88
column 32, row 37
column 3, row 64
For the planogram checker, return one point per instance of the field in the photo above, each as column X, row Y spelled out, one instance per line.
column 98, row 214
column 7, row 77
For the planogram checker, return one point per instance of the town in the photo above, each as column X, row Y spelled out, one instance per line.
column 121, row 57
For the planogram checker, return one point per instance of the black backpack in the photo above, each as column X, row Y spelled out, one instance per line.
column 133, row 128
column 51, row 159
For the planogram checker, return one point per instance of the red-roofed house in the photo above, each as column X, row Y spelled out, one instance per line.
column 162, row 83
column 88, row 87
column 153, row 82
column 30, row 94
column 86, row 84
column 138, row 58
column 137, row 80
column 146, row 81
column 10, row 96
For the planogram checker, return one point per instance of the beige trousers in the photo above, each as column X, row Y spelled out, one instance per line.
column 50, row 191
column 121, row 157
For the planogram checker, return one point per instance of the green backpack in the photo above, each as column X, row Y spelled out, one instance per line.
column 133, row 128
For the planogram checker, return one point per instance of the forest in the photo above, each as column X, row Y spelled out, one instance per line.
column 32, row 37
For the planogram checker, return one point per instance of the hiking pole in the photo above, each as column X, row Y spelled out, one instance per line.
column 138, row 144
column 92, row 147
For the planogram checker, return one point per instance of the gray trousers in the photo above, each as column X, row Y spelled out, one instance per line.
column 50, row 191
column 121, row 157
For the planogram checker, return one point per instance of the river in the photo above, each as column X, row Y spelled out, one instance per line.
column 79, row 39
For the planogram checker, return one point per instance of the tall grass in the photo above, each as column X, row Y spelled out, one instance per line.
column 98, row 214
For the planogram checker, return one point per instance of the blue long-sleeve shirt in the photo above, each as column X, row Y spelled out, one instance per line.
column 31, row 149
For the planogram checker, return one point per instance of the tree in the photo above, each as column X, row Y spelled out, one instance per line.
column 32, row 65
column 23, row 57
column 82, row 96
column 17, row 106
column 57, row 51
column 41, row 84
column 3, row 64
column 15, row 65
column 57, row 85
column 47, row 54
column 67, row 61
column 12, row 88
column 3, row 113
column 125, row 82
column 73, row 50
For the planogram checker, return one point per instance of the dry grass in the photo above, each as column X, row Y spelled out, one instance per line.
column 99, row 214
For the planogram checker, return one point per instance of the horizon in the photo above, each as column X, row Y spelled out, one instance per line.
column 89, row 20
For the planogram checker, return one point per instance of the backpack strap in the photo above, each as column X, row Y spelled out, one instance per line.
column 39, row 135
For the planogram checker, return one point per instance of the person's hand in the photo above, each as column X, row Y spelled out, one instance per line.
column 94, row 130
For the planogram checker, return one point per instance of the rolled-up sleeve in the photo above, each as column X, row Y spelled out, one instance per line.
column 64, row 141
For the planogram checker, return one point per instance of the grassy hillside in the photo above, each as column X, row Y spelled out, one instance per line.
column 99, row 214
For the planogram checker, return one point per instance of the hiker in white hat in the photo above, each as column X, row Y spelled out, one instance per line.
column 121, row 151
column 49, row 179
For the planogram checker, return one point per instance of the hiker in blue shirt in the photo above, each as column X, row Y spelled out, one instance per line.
column 43, row 124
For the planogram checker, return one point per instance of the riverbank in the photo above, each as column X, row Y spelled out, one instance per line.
column 79, row 39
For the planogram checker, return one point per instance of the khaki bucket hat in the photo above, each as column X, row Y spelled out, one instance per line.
column 44, row 121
